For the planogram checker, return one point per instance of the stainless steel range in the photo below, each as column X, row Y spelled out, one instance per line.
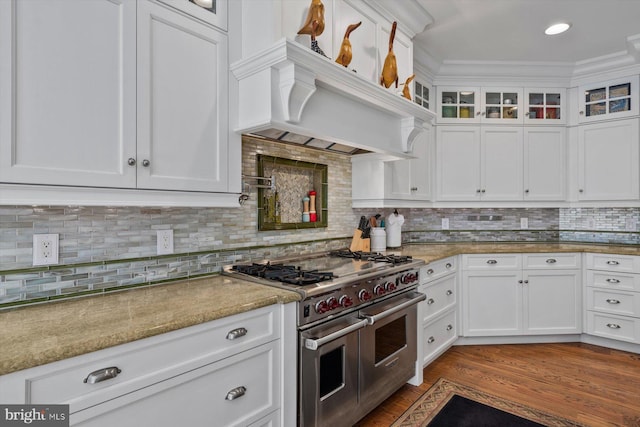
column 357, row 328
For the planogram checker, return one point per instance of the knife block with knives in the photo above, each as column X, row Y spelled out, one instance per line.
column 361, row 240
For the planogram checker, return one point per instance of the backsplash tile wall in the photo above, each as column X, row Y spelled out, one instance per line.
column 106, row 247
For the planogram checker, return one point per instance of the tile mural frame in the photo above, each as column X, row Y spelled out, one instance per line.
column 317, row 180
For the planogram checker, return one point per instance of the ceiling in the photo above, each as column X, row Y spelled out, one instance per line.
column 513, row 30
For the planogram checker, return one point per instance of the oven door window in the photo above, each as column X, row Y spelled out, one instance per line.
column 331, row 372
column 390, row 338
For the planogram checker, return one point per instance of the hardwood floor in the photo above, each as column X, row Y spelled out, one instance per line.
column 592, row 385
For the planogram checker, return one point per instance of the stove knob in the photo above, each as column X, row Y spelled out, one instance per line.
column 408, row 278
column 390, row 286
column 364, row 295
column 345, row 301
column 332, row 303
column 379, row 290
column 321, row 307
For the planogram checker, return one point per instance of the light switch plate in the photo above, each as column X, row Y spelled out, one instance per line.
column 524, row 223
column 165, row 242
column 445, row 223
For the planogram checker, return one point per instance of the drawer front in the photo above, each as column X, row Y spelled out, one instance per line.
column 150, row 360
column 235, row 391
column 437, row 269
column 614, row 327
column 441, row 295
column 492, row 262
column 622, row 303
column 439, row 334
column 623, row 263
column 619, row 281
column 551, row 261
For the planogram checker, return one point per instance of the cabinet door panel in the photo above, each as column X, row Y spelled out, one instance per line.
column 544, row 168
column 491, row 304
column 182, row 102
column 609, row 161
column 68, row 97
column 501, row 163
column 458, row 154
column 552, row 302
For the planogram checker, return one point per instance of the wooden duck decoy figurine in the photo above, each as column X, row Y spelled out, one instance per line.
column 405, row 90
column 345, row 55
column 315, row 13
column 390, row 68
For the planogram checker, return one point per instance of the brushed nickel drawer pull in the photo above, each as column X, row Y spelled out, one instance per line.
column 431, row 340
column 613, row 281
column 449, row 327
column 430, row 301
column 613, row 263
column 551, row 261
column 449, row 292
column 492, row 261
column 613, row 301
column 430, row 271
column 237, row 333
column 236, row 393
column 613, row 325
column 102, row 375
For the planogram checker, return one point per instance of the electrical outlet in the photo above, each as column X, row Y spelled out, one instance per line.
column 591, row 223
column 165, row 242
column 45, row 249
column 445, row 223
column 524, row 223
column 630, row 224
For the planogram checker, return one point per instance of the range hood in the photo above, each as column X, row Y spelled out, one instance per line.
column 290, row 93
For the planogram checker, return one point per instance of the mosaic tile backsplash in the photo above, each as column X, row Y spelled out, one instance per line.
column 102, row 248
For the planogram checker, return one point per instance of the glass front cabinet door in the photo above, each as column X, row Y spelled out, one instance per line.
column 501, row 105
column 545, row 106
column 612, row 99
column 458, row 105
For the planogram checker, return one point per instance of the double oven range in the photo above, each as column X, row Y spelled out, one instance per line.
column 357, row 328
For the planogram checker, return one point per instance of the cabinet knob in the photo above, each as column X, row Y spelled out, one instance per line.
column 526, row 114
column 526, row 281
column 449, row 292
column 520, row 281
column 146, row 163
column 449, row 327
column 448, row 265
column 478, row 190
column 430, row 301
column 581, row 190
column 483, row 190
column 526, row 191
column 431, row 339
column 492, row 261
column 414, row 188
column 482, row 113
column 131, row 161
column 581, row 113
column 430, row 271
column 478, row 113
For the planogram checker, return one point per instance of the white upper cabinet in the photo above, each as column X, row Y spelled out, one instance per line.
column 127, row 95
column 458, row 104
column 68, row 85
column 182, row 102
column 544, row 163
column 501, row 105
column 545, row 106
column 608, row 100
column 608, row 160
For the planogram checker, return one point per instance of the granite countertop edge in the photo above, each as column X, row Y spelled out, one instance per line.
column 40, row 334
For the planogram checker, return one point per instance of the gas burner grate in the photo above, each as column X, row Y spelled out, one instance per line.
column 371, row 256
column 284, row 273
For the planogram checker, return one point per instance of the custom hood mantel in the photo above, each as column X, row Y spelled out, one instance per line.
column 290, row 90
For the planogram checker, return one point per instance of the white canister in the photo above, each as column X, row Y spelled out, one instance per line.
column 378, row 239
column 394, row 224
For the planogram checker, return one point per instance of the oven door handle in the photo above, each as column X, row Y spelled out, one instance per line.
column 373, row 319
column 312, row 344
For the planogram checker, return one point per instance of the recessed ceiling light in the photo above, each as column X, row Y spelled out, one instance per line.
column 557, row 28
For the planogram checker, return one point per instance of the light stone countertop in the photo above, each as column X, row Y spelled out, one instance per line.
column 39, row 334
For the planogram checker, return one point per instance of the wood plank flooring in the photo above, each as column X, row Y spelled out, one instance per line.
column 593, row 385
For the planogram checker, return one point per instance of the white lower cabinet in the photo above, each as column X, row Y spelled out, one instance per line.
column 500, row 297
column 228, row 372
column 439, row 282
column 613, row 297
